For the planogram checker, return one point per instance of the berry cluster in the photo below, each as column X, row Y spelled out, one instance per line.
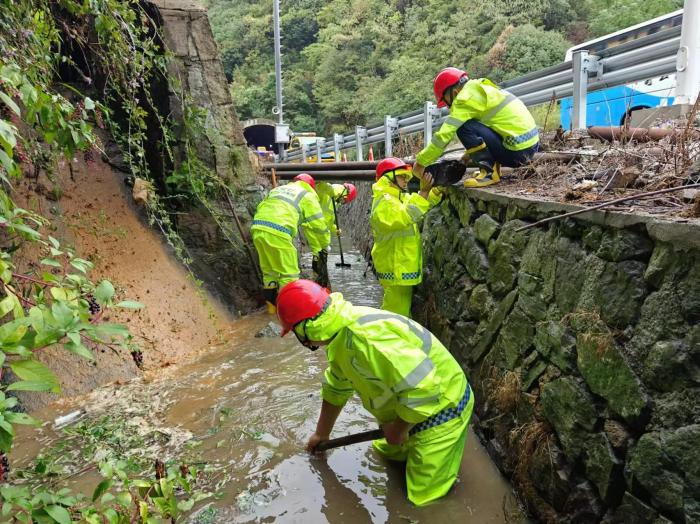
column 160, row 469
column 93, row 305
column 20, row 154
column 78, row 111
column 98, row 118
column 4, row 467
column 89, row 156
column 138, row 358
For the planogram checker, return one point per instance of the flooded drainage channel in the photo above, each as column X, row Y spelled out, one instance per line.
column 242, row 413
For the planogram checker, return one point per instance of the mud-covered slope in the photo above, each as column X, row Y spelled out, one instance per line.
column 92, row 209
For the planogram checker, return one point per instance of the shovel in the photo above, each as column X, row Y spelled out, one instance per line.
column 340, row 244
column 355, row 438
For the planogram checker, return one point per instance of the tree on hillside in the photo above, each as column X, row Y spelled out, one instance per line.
column 607, row 16
column 347, row 62
column 523, row 49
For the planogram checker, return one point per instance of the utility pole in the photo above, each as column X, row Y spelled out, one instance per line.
column 279, row 108
column 278, row 60
column 688, row 59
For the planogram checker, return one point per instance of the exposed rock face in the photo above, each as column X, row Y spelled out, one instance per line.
column 214, row 244
column 582, row 343
column 196, row 64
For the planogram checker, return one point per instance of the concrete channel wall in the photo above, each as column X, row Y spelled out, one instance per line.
column 581, row 339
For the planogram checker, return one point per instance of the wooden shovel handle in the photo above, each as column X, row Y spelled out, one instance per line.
column 355, row 438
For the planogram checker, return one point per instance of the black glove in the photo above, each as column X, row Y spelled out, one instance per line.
column 320, row 269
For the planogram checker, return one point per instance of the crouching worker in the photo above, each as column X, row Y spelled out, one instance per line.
column 493, row 125
column 397, row 254
column 275, row 226
column 330, row 195
column 402, row 373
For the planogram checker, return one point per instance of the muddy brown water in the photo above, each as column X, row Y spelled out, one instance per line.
column 243, row 411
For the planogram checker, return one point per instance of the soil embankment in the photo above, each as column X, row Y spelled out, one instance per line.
column 92, row 210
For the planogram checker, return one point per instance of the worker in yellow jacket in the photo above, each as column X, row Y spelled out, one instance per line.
column 332, row 195
column 402, row 373
column 494, row 126
column 397, row 254
column 274, row 228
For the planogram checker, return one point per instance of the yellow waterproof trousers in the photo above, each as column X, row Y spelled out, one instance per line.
column 397, row 299
column 432, row 457
column 278, row 258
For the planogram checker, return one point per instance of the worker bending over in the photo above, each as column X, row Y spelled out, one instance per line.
column 275, row 224
column 402, row 373
column 494, row 126
column 330, row 195
column 397, row 254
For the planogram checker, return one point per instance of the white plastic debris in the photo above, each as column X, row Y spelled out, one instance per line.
column 68, row 419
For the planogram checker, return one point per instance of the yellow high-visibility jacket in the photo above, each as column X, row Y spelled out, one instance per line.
column 326, row 194
column 396, row 366
column 482, row 100
column 397, row 254
column 287, row 207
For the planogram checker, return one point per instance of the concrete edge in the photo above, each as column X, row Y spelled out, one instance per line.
column 685, row 231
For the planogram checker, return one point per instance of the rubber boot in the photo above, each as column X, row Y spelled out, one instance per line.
column 489, row 169
column 270, row 294
column 488, row 175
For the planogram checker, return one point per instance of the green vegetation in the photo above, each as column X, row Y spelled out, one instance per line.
column 351, row 62
column 46, row 296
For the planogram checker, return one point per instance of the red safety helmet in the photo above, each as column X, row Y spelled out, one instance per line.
column 444, row 80
column 351, row 192
column 390, row 164
column 300, row 300
column 305, row 177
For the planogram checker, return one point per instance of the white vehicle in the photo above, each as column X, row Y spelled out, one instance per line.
column 611, row 107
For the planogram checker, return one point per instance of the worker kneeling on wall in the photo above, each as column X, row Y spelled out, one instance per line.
column 493, row 125
column 402, row 373
column 275, row 226
column 397, row 254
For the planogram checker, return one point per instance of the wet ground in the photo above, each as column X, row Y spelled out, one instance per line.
column 243, row 413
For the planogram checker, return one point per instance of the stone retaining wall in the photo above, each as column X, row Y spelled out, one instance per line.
column 582, row 342
column 214, row 244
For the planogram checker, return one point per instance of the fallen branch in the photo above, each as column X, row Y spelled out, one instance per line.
column 606, row 204
column 243, row 236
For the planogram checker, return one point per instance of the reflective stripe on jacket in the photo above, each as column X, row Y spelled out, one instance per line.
column 326, row 194
column 482, row 100
column 287, row 207
column 397, row 253
column 397, row 367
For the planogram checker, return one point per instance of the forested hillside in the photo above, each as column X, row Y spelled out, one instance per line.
column 349, row 61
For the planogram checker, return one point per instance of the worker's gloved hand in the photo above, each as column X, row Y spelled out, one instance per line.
column 314, row 441
column 338, row 233
column 418, row 170
column 426, row 184
column 465, row 159
column 396, row 432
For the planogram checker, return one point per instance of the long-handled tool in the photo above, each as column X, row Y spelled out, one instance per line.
column 340, row 244
column 355, row 438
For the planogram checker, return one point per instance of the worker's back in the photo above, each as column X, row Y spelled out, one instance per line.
column 397, row 366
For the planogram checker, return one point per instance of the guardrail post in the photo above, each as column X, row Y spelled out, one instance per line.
column 583, row 63
column 429, row 110
column 390, row 127
column 360, row 135
column 304, row 153
column 337, row 145
column 319, row 142
column 687, row 66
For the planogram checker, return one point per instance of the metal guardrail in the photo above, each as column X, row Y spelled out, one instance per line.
column 643, row 58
